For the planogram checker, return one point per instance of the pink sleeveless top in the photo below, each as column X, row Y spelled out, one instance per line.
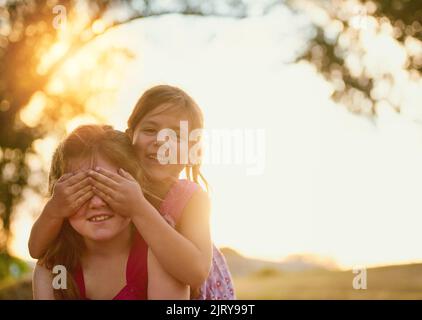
column 219, row 284
column 136, row 273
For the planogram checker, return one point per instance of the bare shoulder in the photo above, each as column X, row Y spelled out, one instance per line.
column 42, row 283
column 200, row 201
column 197, row 208
column 41, row 270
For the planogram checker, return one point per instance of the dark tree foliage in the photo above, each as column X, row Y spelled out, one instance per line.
column 329, row 54
column 27, row 32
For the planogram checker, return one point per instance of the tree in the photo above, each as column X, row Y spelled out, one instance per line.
column 341, row 47
column 30, row 57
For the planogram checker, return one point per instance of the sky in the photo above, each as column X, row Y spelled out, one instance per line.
column 329, row 182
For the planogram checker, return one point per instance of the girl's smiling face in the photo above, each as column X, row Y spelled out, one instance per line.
column 95, row 220
column 147, row 145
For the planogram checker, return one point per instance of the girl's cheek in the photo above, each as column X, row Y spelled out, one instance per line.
column 139, row 143
column 149, row 140
column 143, row 144
column 80, row 213
column 74, row 223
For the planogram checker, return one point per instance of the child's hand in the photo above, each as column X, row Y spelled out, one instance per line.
column 70, row 192
column 120, row 191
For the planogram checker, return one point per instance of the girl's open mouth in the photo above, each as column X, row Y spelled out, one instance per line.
column 100, row 218
column 154, row 158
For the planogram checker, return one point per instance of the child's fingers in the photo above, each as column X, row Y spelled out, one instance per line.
column 79, row 185
column 81, row 192
column 65, row 176
column 111, row 175
column 77, row 177
column 99, row 177
column 79, row 202
column 126, row 174
column 103, row 188
column 103, row 196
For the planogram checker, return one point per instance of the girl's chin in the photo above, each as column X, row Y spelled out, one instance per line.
column 157, row 176
column 160, row 174
column 101, row 236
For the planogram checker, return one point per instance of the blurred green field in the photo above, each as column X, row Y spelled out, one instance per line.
column 392, row 282
column 18, row 290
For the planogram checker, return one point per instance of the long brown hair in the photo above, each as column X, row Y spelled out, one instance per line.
column 168, row 95
column 83, row 143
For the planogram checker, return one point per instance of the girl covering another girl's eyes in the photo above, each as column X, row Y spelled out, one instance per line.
column 181, row 242
column 104, row 256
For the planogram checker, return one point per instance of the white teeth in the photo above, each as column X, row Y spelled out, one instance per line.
column 99, row 218
column 154, row 158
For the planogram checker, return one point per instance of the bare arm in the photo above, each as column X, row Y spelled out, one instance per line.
column 45, row 229
column 42, row 287
column 162, row 286
column 70, row 193
column 185, row 253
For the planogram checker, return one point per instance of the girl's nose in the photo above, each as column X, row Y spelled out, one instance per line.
column 97, row 202
column 157, row 142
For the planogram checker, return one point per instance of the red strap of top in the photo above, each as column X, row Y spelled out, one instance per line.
column 78, row 276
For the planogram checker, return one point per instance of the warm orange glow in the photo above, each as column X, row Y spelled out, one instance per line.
column 98, row 26
column 48, row 59
column 32, row 113
column 335, row 185
column 78, row 121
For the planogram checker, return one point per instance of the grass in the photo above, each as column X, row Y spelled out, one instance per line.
column 18, row 290
column 395, row 282
column 15, row 277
